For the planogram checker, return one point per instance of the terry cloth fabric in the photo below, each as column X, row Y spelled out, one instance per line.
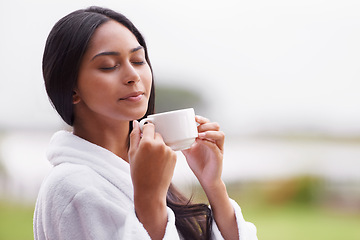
column 89, row 195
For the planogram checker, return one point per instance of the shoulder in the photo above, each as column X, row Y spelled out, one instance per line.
column 70, row 176
column 69, row 184
column 66, row 180
column 64, row 177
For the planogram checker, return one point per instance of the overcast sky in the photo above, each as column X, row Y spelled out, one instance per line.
column 260, row 64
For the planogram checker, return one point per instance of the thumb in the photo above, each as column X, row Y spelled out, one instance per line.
column 135, row 135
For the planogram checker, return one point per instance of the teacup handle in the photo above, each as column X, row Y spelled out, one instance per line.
column 145, row 120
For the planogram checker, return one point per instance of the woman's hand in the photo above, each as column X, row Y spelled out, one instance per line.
column 205, row 157
column 152, row 166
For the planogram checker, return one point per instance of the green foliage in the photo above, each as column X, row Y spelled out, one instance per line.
column 2, row 167
column 302, row 190
column 172, row 98
column 308, row 190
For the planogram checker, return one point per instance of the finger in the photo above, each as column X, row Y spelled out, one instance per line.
column 135, row 135
column 217, row 137
column 213, row 135
column 211, row 126
column 201, row 120
column 210, row 144
column 148, row 131
column 159, row 138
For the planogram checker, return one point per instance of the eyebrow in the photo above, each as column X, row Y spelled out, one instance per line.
column 106, row 54
column 136, row 49
column 113, row 53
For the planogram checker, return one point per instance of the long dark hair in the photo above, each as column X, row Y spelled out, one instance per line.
column 64, row 51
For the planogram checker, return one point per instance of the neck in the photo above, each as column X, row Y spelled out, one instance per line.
column 113, row 137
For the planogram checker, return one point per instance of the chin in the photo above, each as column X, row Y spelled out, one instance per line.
column 140, row 114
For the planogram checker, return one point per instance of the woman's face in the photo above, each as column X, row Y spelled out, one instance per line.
column 114, row 80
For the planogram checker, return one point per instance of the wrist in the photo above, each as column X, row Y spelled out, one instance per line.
column 217, row 195
column 149, row 203
column 214, row 188
column 152, row 213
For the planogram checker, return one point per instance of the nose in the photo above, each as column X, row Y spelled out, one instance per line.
column 131, row 76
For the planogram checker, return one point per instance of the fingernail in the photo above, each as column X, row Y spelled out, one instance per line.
column 134, row 123
column 202, row 135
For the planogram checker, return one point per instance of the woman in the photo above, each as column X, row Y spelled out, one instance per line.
column 109, row 180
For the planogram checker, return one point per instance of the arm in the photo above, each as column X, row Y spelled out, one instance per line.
column 152, row 165
column 205, row 159
column 223, row 211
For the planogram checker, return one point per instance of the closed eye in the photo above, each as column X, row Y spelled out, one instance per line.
column 109, row 68
column 139, row 62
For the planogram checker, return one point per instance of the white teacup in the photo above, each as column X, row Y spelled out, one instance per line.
column 177, row 128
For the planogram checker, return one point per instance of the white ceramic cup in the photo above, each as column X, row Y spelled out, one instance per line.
column 177, row 128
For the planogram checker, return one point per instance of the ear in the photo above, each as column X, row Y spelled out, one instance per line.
column 76, row 98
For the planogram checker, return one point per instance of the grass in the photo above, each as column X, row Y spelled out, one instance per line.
column 15, row 221
column 297, row 222
column 286, row 220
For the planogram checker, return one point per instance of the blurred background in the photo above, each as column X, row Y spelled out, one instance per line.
column 281, row 77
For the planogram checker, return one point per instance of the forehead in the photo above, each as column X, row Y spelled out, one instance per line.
column 112, row 36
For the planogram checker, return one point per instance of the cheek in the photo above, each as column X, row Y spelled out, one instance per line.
column 147, row 79
column 91, row 88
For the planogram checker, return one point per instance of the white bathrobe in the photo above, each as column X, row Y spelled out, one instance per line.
column 89, row 195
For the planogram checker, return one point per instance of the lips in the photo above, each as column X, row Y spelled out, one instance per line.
column 134, row 96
